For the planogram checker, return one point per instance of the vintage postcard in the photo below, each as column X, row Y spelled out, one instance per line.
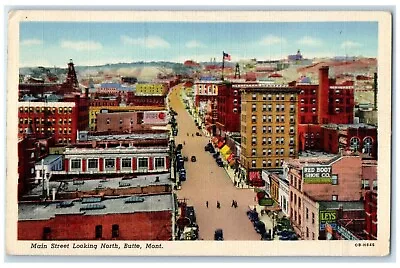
column 199, row 133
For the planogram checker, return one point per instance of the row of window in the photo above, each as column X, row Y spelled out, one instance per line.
column 49, row 130
column 269, row 152
column 268, row 119
column 365, row 185
column 61, row 121
column 126, row 163
column 98, row 232
column 48, row 109
column 269, row 97
column 267, row 163
column 268, row 108
column 265, row 141
column 268, row 129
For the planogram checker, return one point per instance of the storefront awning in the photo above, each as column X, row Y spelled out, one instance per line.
column 230, row 157
column 225, row 151
column 220, row 144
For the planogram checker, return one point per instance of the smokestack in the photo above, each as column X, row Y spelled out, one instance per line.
column 323, row 94
column 375, row 91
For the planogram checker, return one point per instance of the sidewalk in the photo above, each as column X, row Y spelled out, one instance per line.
column 267, row 220
column 238, row 184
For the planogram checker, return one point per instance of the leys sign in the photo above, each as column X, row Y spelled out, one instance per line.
column 327, row 216
column 317, row 174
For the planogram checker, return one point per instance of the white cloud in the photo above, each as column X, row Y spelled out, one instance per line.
column 31, row 42
column 310, row 41
column 194, row 44
column 272, row 40
column 350, row 44
column 81, row 45
column 149, row 42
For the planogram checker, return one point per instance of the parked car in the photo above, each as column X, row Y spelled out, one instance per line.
column 206, row 148
column 216, row 155
column 266, row 236
column 252, row 215
column 185, row 158
column 259, row 226
column 212, row 150
column 193, row 158
column 198, row 134
column 220, row 163
column 182, row 175
column 219, row 235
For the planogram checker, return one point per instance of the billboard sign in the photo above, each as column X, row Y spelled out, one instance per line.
column 317, row 174
column 155, row 118
column 327, row 216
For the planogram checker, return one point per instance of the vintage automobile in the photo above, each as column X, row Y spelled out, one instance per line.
column 193, row 158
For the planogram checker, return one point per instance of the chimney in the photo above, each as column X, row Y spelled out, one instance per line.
column 375, row 90
column 323, row 95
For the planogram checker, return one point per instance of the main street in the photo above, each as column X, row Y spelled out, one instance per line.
column 208, row 182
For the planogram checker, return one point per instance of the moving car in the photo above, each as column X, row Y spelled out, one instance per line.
column 219, row 235
column 193, row 158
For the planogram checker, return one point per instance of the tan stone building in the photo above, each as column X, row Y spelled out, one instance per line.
column 268, row 126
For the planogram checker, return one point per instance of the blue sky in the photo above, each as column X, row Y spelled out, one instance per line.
column 92, row 43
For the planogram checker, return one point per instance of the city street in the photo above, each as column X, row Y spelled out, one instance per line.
column 208, row 182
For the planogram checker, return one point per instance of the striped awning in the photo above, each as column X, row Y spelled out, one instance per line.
column 230, row 157
column 225, row 151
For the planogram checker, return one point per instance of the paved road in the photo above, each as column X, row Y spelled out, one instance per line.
column 208, row 182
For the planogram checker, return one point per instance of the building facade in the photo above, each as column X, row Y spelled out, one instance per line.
column 61, row 119
column 268, row 126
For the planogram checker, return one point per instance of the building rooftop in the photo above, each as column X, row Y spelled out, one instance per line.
column 49, row 159
column 347, row 126
column 117, row 205
column 86, row 183
column 355, row 205
column 314, row 158
column 131, row 136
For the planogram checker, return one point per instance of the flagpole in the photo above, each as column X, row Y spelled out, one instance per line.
column 223, row 64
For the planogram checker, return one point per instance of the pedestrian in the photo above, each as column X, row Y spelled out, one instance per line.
column 236, row 205
column 218, row 204
column 233, row 203
column 207, row 204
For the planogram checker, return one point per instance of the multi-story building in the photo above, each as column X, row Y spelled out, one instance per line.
column 59, row 119
column 268, row 126
column 151, row 89
column 321, row 177
column 320, row 104
column 97, row 218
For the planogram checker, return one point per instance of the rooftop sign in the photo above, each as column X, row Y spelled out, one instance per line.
column 317, row 174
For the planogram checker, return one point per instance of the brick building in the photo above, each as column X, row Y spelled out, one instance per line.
column 59, row 119
column 321, row 104
column 98, row 218
column 268, row 127
column 371, row 220
column 344, row 185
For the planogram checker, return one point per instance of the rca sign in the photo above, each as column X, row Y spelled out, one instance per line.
column 155, row 118
column 317, row 174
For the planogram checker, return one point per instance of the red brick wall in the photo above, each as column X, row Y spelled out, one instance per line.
column 133, row 226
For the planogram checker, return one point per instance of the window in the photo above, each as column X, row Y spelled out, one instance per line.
column 264, row 141
column 334, row 179
column 264, row 129
column 254, row 129
column 264, row 118
column 277, row 129
column 93, row 163
column 46, row 233
column 235, row 110
column 253, row 152
column 299, row 219
column 365, row 184
column 269, row 118
column 253, row 141
column 313, row 236
column 269, row 152
column 282, row 118
column 110, row 163
column 264, row 163
column 277, row 163
column 299, row 202
column 143, row 163
column 277, row 118
column 282, row 129
column 282, row 151
column 264, row 152
column 264, row 108
column 269, row 97
column 253, row 163
column 264, row 97
column 253, row 119
column 375, row 184
column 126, row 163
column 253, row 107
column 75, row 164
column 312, row 218
column 307, row 213
column 307, row 232
column 291, row 196
column 269, row 107
column 269, row 129
column 334, row 197
column 269, row 140
column 269, row 163
column 115, row 231
column 291, row 130
column 295, row 215
column 254, row 97
column 99, row 231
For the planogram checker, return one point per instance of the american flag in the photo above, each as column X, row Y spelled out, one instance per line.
column 226, row 56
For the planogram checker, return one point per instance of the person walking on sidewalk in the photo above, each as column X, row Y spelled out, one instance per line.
column 207, row 204
column 218, row 204
column 236, row 205
column 233, row 203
